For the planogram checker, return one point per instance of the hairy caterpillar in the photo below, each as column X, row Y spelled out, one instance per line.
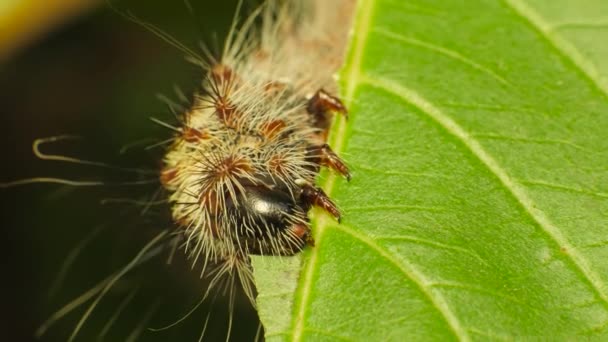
column 240, row 170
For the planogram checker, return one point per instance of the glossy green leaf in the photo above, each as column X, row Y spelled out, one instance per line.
column 478, row 209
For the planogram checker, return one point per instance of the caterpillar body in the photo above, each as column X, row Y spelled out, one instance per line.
column 241, row 171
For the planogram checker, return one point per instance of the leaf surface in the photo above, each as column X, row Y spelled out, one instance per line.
column 478, row 207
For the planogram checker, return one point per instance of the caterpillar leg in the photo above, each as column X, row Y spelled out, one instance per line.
column 316, row 196
column 324, row 156
column 321, row 104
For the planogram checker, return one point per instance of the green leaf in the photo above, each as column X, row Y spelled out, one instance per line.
column 478, row 209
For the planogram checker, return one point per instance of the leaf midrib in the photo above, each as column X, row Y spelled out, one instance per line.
column 365, row 8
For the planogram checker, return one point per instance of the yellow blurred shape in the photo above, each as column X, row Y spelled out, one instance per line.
column 22, row 21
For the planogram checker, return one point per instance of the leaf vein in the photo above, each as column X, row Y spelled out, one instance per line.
column 531, row 140
column 561, row 45
column 565, row 188
column 478, row 289
column 580, row 25
column 402, row 207
column 490, row 335
column 580, row 263
column 329, row 334
column 438, row 245
column 389, row 173
column 443, row 51
column 417, row 277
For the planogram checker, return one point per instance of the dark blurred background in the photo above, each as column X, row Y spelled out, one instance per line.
column 97, row 75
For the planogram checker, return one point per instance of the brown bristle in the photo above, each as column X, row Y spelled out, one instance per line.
column 273, row 128
column 226, row 112
column 182, row 221
column 193, row 135
column 167, row 175
column 221, row 73
column 260, row 55
column 209, row 199
column 231, row 167
column 276, row 164
column 275, row 87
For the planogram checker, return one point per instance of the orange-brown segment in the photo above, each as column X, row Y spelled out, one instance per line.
column 192, row 135
column 273, row 128
column 167, row 175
